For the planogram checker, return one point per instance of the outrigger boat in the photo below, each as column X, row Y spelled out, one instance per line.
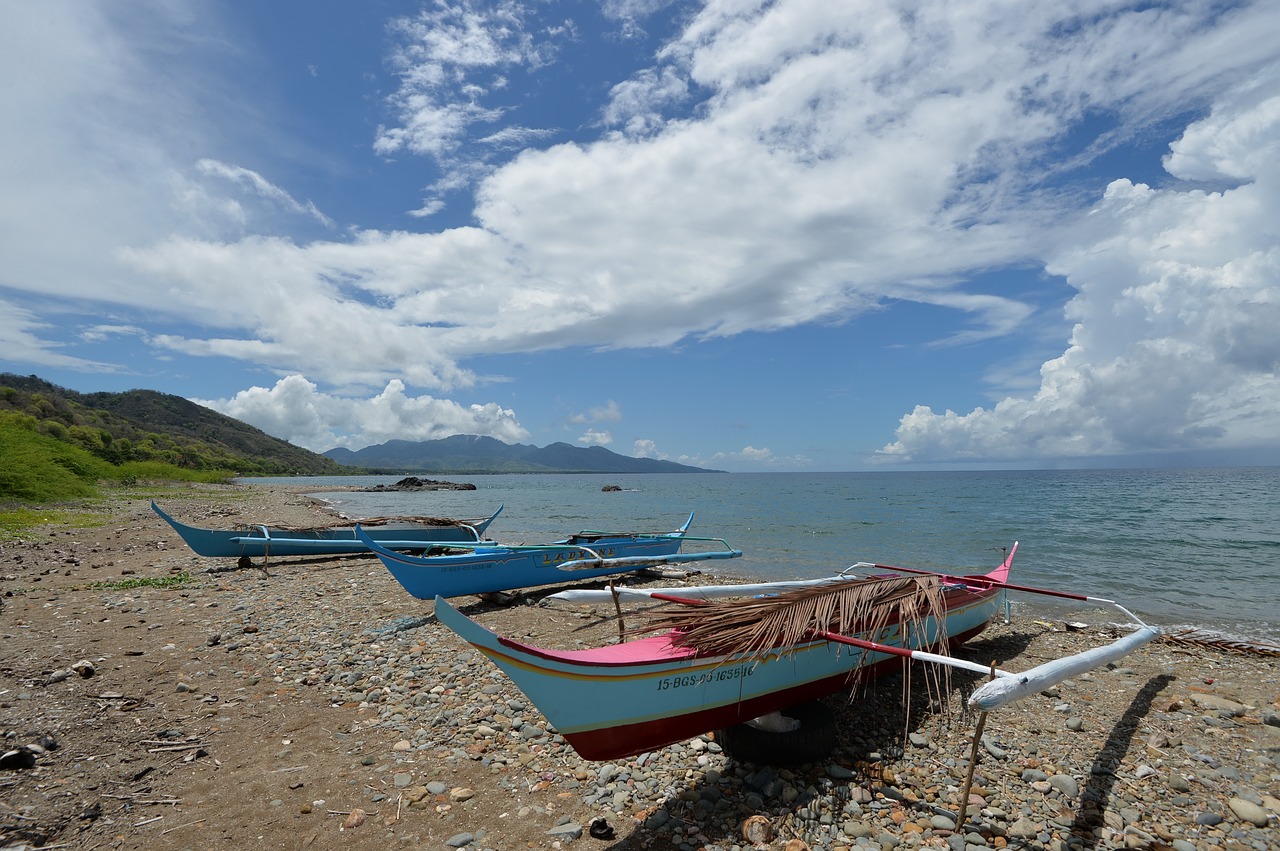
column 412, row 534
column 721, row 664
column 487, row 567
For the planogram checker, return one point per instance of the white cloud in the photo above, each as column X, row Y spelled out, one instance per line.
column 752, row 457
column 262, row 187
column 20, row 341
column 786, row 163
column 101, row 332
column 1175, row 345
column 637, row 105
column 451, row 60
column 296, row 411
column 645, row 448
column 596, row 437
column 609, row 413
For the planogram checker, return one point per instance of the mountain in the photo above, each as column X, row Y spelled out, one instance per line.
column 143, row 425
column 469, row 453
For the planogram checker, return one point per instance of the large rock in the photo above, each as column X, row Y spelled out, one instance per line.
column 413, row 483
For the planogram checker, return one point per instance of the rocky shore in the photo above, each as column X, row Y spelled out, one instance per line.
column 154, row 699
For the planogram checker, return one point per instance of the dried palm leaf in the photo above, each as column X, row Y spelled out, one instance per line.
column 765, row 626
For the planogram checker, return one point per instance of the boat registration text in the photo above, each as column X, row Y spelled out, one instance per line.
column 719, row 675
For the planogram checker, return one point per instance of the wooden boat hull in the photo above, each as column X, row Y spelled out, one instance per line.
column 617, row 701
column 337, row 540
column 498, row 568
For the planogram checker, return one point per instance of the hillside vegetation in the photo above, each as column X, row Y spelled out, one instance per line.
column 143, row 425
column 57, row 445
column 39, row 470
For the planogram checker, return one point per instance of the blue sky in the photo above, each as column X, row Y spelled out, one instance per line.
column 792, row 235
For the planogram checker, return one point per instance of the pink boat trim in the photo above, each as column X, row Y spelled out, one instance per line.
column 654, row 649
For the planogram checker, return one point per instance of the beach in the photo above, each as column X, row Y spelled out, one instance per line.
column 154, row 699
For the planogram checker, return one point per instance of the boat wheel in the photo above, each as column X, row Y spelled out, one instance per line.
column 813, row 740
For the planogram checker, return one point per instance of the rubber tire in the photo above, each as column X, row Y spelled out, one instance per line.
column 812, row 741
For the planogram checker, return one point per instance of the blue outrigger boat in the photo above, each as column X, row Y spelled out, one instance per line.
column 486, row 567
column 262, row 540
column 618, row 700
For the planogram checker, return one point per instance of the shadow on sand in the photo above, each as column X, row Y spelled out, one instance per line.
column 874, row 719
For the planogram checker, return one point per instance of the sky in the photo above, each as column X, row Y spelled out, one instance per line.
column 752, row 236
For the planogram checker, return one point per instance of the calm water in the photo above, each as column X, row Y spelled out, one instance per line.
column 1180, row 548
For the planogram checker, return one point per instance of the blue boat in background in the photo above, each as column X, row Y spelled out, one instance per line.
column 419, row 534
column 487, row 567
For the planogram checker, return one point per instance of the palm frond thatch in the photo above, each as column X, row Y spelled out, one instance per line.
column 758, row 627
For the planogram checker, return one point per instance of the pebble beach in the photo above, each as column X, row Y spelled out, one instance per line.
column 333, row 711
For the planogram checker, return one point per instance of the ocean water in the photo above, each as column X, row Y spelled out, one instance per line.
column 1189, row 548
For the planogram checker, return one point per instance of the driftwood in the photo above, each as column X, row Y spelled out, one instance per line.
column 1196, row 638
column 347, row 524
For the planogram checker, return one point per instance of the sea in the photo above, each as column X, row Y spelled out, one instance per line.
column 1179, row 548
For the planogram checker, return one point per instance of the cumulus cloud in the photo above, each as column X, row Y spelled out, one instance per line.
column 645, row 448
column 776, row 165
column 297, row 411
column 596, row 437
column 752, row 457
column 638, row 106
column 1177, row 306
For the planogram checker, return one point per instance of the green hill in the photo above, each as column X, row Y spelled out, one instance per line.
column 146, row 426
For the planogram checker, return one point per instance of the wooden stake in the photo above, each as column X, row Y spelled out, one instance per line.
column 973, row 763
column 617, row 605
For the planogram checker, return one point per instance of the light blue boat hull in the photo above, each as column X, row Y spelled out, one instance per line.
column 264, row 540
column 624, row 699
column 499, row 568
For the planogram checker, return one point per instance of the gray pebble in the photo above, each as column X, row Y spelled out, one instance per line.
column 1248, row 811
column 567, row 831
column 1066, row 784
